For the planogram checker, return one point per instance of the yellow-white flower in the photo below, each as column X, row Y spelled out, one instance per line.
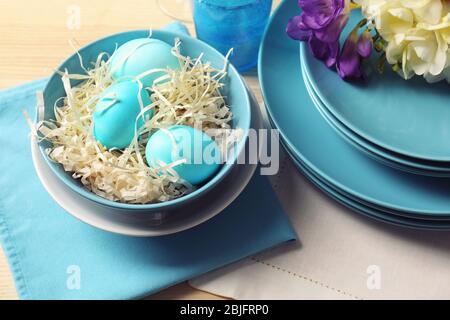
column 417, row 33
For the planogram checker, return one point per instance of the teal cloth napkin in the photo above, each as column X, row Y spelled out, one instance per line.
column 55, row 256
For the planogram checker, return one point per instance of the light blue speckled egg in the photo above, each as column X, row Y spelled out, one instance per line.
column 115, row 114
column 140, row 55
column 183, row 142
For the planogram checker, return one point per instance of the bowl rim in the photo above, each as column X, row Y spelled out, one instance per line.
column 219, row 176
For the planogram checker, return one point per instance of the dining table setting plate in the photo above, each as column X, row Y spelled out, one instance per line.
column 407, row 117
column 367, row 210
column 147, row 224
column 403, row 197
column 123, row 222
column 387, row 157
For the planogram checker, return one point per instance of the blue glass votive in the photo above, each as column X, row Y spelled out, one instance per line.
column 237, row 24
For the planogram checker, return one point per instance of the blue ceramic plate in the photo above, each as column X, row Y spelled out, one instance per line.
column 360, row 202
column 408, row 117
column 373, row 206
column 368, row 211
column 317, row 145
column 235, row 91
column 394, row 160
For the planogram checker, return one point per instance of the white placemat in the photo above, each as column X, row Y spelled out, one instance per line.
column 340, row 255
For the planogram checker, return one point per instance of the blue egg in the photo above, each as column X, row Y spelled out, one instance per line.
column 115, row 114
column 140, row 55
column 202, row 154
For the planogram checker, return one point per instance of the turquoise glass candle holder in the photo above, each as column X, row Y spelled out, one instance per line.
column 237, row 24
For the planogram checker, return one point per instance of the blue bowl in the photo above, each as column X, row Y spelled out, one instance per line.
column 235, row 93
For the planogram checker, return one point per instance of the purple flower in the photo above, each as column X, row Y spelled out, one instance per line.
column 349, row 63
column 328, row 52
column 320, row 24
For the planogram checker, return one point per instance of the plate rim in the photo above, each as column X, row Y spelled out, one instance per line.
column 360, row 208
column 368, row 137
column 372, row 151
column 247, row 169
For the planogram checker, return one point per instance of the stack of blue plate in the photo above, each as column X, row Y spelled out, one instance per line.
column 379, row 148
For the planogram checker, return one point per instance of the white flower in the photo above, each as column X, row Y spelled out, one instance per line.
column 428, row 11
column 417, row 33
column 420, row 52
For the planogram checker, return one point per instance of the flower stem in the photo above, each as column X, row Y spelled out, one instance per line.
column 362, row 23
column 381, row 63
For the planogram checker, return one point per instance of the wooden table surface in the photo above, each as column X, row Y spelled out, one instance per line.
column 35, row 37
